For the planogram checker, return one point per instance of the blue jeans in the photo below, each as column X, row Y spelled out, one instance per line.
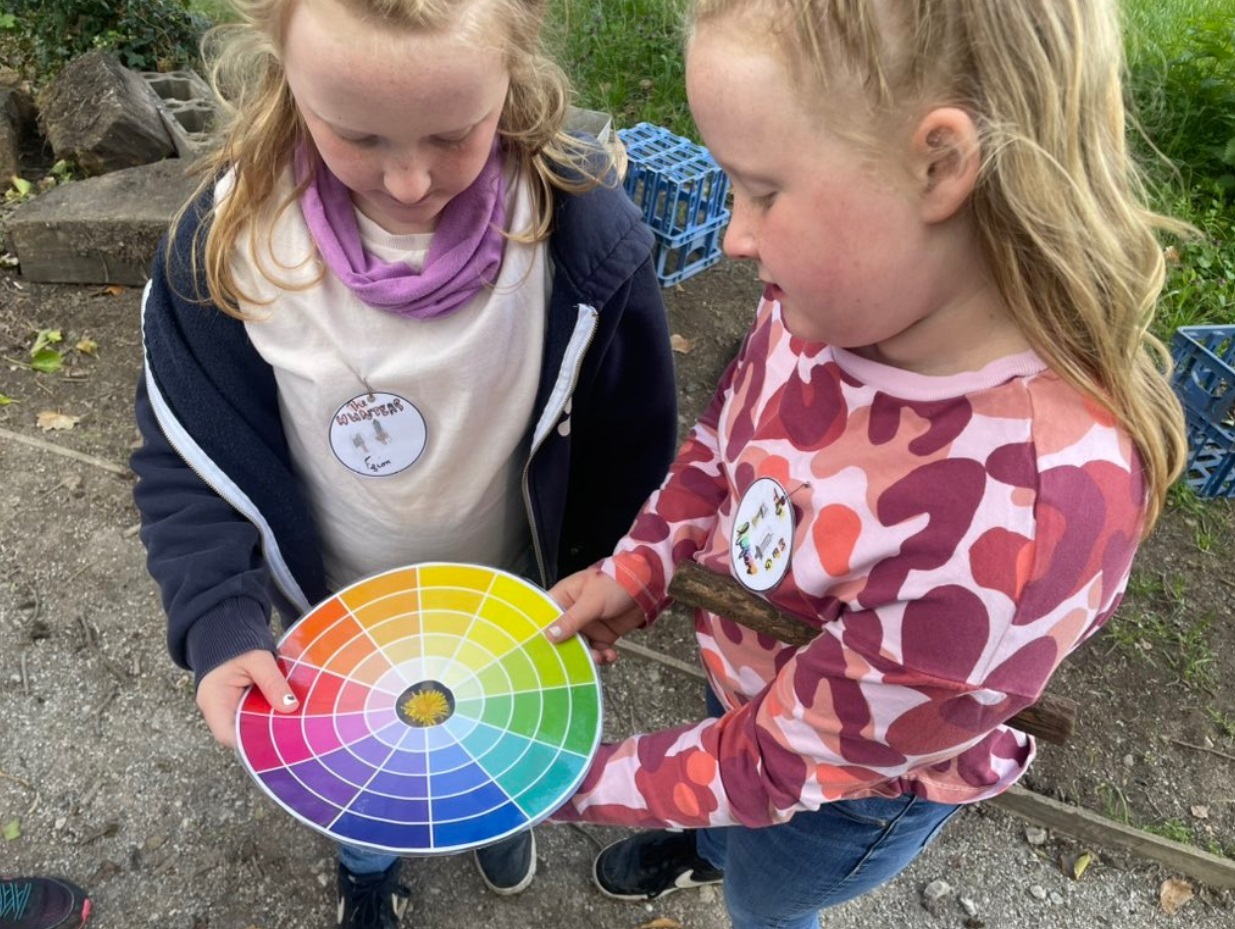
column 363, row 861
column 780, row 877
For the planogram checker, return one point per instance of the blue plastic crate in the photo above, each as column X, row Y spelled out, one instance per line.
column 680, row 256
column 1204, row 380
column 676, row 184
column 682, row 194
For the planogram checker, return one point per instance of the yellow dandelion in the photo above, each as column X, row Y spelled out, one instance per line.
column 427, row 707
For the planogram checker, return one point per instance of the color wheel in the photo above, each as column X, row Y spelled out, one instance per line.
column 434, row 715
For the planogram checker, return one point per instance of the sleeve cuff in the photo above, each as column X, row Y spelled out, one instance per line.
column 232, row 628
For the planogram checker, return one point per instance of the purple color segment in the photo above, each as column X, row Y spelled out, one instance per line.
column 347, row 766
column 399, row 785
column 391, row 809
column 373, row 750
column 310, row 790
column 351, row 727
column 407, row 761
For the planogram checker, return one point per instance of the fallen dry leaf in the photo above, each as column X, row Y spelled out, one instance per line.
column 54, row 419
column 112, row 290
column 1077, row 866
column 661, row 922
column 1200, row 812
column 1174, row 894
column 680, row 344
column 87, row 346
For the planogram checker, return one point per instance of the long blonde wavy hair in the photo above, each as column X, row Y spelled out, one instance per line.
column 260, row 128
column 1058, row 205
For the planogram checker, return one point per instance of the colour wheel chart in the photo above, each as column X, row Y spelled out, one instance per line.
column 434, row 715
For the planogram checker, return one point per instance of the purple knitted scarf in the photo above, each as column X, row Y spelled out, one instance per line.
column 464, row 256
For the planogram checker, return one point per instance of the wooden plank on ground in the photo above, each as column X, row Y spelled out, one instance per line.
column 1090, row 827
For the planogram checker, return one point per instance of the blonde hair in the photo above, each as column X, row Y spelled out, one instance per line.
column 261, row 128
column 1058, row 205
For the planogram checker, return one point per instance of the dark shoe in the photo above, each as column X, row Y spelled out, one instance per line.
column 42, row 903
column 652, row 864
column 372, row 901
column 509, row 866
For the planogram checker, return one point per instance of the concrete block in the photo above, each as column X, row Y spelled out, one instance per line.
column 188, row 107
column 102, row 230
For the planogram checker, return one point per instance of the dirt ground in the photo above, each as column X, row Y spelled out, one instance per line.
column 107, row 774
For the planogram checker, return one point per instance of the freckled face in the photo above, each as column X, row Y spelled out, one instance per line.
column 404, row 120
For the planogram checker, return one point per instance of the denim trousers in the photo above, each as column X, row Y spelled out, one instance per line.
column 363, row 861
column 780, row 877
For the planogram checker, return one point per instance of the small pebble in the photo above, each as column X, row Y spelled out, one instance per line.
column 1056, row 898
column 936, row 890
column 1037, row 892
column 968, row 905
column 1035, row 835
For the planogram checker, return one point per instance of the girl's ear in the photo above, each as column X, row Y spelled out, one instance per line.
column 946, row 158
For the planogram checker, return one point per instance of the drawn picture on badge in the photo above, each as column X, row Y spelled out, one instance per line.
column 377, row 434
column 762, row 540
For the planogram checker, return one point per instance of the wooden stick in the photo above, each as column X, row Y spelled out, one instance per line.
column 1090, row 827
column 1051, row 719
column 41, row 445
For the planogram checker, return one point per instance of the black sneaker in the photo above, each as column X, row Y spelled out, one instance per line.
column 652, row 864
column 42, row 903
column 372, row 901
column 509, row 866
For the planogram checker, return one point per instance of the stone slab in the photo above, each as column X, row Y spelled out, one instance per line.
column 102, row 230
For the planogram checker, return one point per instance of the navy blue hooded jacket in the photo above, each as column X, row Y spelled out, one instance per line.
column 228, row 530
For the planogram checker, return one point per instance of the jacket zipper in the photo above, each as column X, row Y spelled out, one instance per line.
column 580, row 342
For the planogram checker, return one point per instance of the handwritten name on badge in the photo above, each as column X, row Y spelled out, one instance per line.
column 377, row 434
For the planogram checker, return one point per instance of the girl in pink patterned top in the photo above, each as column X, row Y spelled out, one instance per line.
column 944, row 437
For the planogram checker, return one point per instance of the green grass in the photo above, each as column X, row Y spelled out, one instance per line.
column 1174, row 829
column 1181, row 66
column 625, row 58
column 1157, row 624
column 217, row 11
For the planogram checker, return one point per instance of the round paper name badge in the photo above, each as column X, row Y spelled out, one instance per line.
column 377, row 434
column 762, row 541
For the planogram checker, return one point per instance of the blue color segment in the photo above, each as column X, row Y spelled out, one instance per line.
column 408, row 838
column 479, row 830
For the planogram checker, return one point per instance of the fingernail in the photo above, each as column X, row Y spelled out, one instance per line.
column 289, row 699
column 555, row 632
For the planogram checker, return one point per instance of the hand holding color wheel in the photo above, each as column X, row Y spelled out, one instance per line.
column 434, row 715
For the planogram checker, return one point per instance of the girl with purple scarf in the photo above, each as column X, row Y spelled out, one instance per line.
column 407, row 317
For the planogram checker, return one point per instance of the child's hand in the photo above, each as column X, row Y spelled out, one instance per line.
column 219, row 693
column 596, row 606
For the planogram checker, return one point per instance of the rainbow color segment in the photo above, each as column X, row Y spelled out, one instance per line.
column 434, row 715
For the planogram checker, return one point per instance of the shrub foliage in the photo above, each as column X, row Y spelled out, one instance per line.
column 41, row 36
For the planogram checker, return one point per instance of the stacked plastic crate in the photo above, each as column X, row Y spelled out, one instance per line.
column 682, row 193
column 1205, row 382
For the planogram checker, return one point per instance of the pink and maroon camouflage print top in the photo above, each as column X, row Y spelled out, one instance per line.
column 956, row 537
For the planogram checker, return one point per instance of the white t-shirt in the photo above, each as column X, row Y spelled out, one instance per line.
column 408, row 434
